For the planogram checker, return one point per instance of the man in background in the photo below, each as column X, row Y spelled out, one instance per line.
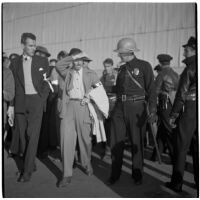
column 108, row 80
column 166, row 84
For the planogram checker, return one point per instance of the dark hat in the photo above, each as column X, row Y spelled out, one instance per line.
column 74, row 51
column 191, row 43
column 13, row 55
column 87, row 59
column 157, row 68
column 164, row 58
column 43, row 50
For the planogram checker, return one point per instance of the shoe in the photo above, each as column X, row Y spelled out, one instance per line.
column 174, row 187
column 64, row 182
column 153, row 158
column 111, row 181
column 25, row 177
column 138, row 182
column 43, row 155
column 34, row 168
column 137, row 176
column 89, row 172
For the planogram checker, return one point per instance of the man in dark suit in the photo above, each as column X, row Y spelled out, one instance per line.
column 31, row 91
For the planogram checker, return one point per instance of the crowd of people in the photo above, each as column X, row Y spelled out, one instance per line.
column 61, row 104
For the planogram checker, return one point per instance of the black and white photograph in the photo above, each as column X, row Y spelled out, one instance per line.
column 99, row 99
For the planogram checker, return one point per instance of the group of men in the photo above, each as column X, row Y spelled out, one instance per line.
column 82, row 102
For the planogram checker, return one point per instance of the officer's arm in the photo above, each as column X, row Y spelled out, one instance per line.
column 181, row 92
column 62, row 66
column 150, row 87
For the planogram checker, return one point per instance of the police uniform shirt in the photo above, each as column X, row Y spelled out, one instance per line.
column 143, row 73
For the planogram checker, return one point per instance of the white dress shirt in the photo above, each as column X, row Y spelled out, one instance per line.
column 77, row 92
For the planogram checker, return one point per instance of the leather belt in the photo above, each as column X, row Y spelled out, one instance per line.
column 124, row 98
column 75, row 99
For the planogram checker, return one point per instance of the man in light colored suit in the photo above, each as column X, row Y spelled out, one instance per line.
column 75, row 122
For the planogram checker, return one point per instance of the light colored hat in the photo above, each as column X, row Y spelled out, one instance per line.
column 126, row 45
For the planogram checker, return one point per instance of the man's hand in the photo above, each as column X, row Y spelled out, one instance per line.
column 85, row 101
column 172, row 122
column 80, row 55
column 10, row 114
column 152, row 118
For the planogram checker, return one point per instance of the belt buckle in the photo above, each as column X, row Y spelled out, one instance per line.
column 123, row 97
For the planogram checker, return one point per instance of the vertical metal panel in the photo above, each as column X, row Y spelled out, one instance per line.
column 96, row 27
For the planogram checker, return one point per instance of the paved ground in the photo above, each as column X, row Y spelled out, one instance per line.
column 44, row 180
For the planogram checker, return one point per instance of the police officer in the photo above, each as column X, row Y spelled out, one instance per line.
column 166, row 84
column 129, row 113
column 184, row 113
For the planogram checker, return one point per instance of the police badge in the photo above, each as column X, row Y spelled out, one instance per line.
column 136, row 71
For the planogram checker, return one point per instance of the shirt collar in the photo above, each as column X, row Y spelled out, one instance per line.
column 26, row 57
column 79, row 72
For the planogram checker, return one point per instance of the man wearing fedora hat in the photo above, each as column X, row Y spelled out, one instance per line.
column 183, row 118
column 42, row 51
column 135, row 83
column 75, row 118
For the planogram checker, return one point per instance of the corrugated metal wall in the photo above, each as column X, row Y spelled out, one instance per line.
column 96, row 27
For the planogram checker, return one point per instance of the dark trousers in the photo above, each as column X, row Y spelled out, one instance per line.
column 29, row 124
column 50, row 126
column 128, row 119
column 186, row 133
column 164, row 134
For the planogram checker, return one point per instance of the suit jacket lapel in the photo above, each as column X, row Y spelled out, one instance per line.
column 85, row 79
column 20, row 70
column 33, row 70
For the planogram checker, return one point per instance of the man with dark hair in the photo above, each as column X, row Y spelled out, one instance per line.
column 31, row 89
column 166, row 84
column 184, row 115
column 108, row 80
column 25, row 36
column 62, row 54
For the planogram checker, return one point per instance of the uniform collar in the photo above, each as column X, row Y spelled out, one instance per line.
column 133, row 60
column 190, row 60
